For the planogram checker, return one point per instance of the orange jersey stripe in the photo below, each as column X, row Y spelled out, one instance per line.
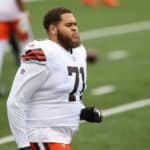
column 39, row 58
column 51, row 146
column 35, row 51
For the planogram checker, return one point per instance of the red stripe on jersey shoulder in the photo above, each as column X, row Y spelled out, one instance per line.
column 34, row 54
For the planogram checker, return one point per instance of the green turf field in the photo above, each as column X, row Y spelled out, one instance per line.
column 130, row 76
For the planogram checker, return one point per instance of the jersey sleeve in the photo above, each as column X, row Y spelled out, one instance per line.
column 84, row 51
column 28, row 79
column 34, row 53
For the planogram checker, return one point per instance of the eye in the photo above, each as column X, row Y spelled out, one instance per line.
column 74, row 24
column 71, row 24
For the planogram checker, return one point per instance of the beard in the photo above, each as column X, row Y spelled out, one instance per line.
column 67, row 41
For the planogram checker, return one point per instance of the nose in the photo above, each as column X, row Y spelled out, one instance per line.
column 74, row 28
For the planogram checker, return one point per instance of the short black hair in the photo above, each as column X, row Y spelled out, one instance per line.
column 53, row 16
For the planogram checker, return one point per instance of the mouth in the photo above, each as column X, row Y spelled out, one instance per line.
column 76, row 36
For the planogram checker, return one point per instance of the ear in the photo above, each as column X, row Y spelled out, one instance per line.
column 53, row 29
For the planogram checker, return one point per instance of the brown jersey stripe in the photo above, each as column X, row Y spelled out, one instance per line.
column 46, row 146
column 34, row 146
column 35, row 51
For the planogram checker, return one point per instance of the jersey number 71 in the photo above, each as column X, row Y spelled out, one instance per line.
column 76, row 71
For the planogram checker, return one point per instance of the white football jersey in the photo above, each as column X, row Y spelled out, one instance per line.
column 8, row 10
column 57, row 102
column 45, row 100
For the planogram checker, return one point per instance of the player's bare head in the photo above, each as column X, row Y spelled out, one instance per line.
column 61, row 26
column 53, row 16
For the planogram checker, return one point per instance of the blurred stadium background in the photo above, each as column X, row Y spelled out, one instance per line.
column 120, row 76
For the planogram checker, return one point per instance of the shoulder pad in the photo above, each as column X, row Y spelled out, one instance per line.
column 34, row 53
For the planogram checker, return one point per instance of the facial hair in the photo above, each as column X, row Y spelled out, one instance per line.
column 66, row 41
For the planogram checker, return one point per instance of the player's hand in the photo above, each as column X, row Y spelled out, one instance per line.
column 91, row 114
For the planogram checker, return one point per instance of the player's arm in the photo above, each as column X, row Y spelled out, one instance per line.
column 24, row 19
column 90, row 114
column 29, row 78
column 20, row 5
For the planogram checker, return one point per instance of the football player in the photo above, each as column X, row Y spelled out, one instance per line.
column 13, row 18
column 45, row 103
